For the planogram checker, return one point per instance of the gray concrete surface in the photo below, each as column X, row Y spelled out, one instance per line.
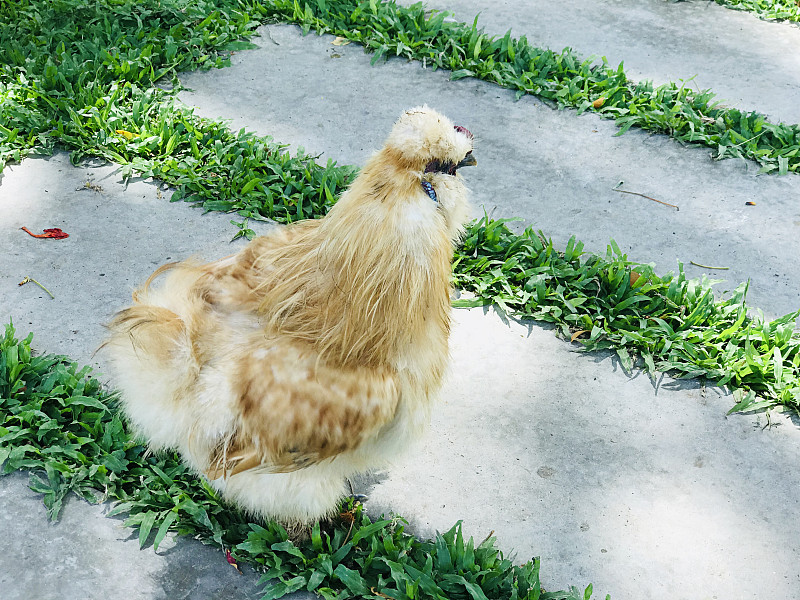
column 749, row 63
column 646, row 491
column 86, row 555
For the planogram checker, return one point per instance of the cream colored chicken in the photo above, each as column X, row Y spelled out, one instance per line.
column 314, row 353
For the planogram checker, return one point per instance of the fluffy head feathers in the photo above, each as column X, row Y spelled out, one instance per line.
column 388, row 195
column 422, row 135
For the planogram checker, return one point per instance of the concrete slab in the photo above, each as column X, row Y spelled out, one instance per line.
column 750, row 64
column 118, row 236
column 88, row 555
column 648, row 492
column 645, row 492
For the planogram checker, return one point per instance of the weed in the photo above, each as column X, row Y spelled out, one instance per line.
column 568, row 80
column 669, row 323
column 779, row 10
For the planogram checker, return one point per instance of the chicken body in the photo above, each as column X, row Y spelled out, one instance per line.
column 314, row 353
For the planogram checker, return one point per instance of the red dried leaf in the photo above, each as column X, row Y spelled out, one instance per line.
column 232, row 561
column 54, row 233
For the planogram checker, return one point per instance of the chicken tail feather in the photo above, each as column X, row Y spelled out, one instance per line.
column 155, row 328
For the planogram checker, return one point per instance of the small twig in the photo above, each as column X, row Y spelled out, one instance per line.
column 29, row 279
column 648, row 197
column 758, row 135
column 486, row 539
column 707, row 267
column 349, row 531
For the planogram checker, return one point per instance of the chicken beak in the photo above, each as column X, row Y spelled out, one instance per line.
column 469, row 161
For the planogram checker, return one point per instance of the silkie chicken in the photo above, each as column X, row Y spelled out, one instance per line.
column 314, row 353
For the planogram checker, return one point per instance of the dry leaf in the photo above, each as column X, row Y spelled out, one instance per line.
column 634, row 277
column 340, row 41
column 54, row 233
column 127, row 134
column 90, row 185
column 232, row 561
column 599, row 102
column 578, row 334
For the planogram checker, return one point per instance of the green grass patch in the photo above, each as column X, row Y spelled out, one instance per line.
column 67, row 63
column 81, row 74
column 668, row 324
column 62, row 61
column 779, row 10
column 57, row 422
column 569, row 80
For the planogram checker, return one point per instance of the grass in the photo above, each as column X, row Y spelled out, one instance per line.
column 779, row 10
column 81, row 74
column 57, row 422
column 97, row 99
column 59, row 82
column 668, row 324
column 565, row 78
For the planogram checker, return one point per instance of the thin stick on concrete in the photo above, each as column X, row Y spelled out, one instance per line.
column 648, row 197
column 29, row 279
column 691, row 262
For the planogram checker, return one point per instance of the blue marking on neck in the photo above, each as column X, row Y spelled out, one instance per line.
column 426, row 185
